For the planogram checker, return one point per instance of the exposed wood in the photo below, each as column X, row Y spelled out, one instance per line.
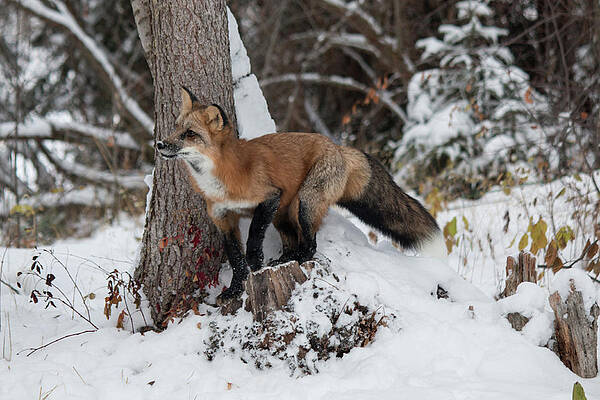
column 576, row 332
column 517, row 321
column 271, row 288
column 518, row 271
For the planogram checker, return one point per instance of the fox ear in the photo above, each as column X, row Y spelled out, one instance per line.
column 187, row 100
column 216, row 117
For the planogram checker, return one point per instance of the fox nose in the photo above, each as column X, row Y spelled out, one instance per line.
column 160, row 145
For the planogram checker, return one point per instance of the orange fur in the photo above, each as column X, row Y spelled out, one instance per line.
column 291, row 180
column 251, row 170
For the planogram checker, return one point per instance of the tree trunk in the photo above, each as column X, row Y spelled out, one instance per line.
column 181, row 249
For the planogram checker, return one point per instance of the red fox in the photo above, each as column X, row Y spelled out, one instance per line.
column 290, row 180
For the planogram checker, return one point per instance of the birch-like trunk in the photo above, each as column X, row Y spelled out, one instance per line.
column 187, row 43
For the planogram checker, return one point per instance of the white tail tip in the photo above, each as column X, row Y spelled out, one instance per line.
column 434, row 247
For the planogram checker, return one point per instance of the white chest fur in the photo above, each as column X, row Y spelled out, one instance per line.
column 236, row 206
column 201, row 168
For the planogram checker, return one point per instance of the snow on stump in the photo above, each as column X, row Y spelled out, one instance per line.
column 296, row 315
column 576, row 327
column 270, row 288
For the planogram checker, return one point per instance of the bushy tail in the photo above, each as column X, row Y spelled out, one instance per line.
column 385, row 207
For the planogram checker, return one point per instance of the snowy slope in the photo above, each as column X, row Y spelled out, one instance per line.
column 434, row 349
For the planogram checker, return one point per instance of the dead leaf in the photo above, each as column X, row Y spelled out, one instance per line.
column 120, row 320
column 527, row 96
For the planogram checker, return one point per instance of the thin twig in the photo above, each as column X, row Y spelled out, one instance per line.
column 34, row 349
column 87, row 309
column 79, row 375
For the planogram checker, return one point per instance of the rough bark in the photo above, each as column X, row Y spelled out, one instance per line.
column 181, row 248
column 576, row 333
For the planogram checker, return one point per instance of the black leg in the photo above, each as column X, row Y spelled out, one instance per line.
column 289, row 239
column 308, row 245
column 263, row 215
column 238, row 263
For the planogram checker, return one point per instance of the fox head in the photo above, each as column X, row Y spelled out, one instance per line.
column 199, row 130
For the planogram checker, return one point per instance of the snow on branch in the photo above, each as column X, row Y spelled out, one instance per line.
column 62, row 18
column 339, row 39
column 82, row 173
column 352, row 9
column 88, row 196
column 341, row 82
column 50, row 128
column 366, row 25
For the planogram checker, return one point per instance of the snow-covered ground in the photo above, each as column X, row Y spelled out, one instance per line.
column 462, row 348
column 456, row 348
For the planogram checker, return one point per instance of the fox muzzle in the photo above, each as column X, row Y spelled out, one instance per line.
column 166, row 149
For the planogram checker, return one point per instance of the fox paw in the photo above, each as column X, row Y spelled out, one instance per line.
column 285, row 258
column 305, row 256
column 229, row 294
column 255, row 261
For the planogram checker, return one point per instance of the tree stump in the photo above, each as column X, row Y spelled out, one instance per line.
column 519, row 271
column 576, row 332
column 270, row 288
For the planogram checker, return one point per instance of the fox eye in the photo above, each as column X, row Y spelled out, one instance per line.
column 188, row 134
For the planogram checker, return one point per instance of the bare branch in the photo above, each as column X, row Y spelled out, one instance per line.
column 316, row 120
column 353, row 40
column 361, row 62
column 82, row 173
column 341, row 82
column 68, row 131
column 364, row 23
column 64, row 20
column 88, row 197
column 34, row 349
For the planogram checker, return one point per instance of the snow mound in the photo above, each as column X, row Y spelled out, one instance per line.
column 460, row 347
column 531, row 301
column 322, row 320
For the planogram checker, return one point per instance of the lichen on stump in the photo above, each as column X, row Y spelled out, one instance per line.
column 576, row 332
